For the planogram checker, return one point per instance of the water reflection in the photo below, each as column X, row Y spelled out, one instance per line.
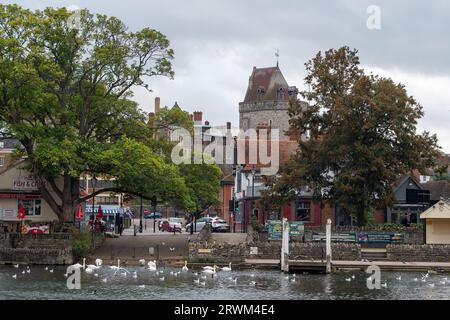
column 237, row 284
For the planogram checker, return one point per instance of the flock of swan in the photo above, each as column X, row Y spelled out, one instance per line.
column 200, row 276
column 150, row 266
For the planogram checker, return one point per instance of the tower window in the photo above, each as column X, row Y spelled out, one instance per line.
column 280, row 94
column 260, row 93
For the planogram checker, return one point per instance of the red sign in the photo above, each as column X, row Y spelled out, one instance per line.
column 21, row 212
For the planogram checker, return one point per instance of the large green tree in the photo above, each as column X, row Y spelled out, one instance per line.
column 65, row 88
column 359, row 134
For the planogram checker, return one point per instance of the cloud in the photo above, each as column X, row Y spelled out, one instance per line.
column 217, row 43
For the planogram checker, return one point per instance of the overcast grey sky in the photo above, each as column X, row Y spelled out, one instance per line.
column 217, row 43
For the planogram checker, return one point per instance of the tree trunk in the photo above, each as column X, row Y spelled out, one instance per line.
column 70, row 195
column 361, row 216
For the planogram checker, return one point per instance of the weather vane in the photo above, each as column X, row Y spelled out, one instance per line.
column 277, row 54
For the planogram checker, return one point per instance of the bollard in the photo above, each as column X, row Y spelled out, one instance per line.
column 285, row 246
column 328, row 245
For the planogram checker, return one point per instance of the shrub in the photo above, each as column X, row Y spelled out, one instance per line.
column 255, row 224
column 81, row 244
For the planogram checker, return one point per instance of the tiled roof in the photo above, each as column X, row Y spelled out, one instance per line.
column 439, row 189
column 270, row 80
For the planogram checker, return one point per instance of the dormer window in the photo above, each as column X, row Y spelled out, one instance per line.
column 280, row 94
column 260, row 93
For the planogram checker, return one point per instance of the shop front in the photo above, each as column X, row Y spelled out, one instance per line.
column 19, row 190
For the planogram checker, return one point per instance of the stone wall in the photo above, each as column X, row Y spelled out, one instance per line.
column 36, row 256
column 32, row 249
column 224, row 253
column 316, row 251
column 218, row 253
column 411, row 253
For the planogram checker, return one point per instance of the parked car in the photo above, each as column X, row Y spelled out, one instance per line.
column 153, row 215
column 217, row 224
column 170, row 226
column 181, row 221
column 220, row 225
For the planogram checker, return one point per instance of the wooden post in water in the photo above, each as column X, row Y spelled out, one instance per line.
column 328, row 245
column 285, row 246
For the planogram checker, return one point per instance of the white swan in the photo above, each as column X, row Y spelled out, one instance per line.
column 208, row 268
column 51, row 270
column 227, row 268
column 185, row 268
column 88, row 270
column 209, row 271
column 196, row 281
column 16, row 266
column 135, row 275
column 78, row 265
column 142, row 262
column 162, row 278
column 152, row 265
column 116, row 267
column 98, row 262
column 14, row 276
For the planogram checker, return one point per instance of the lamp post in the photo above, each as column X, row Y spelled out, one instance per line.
column 154, row 203
column 94, row 182
column 140, row 221
column 253, row 188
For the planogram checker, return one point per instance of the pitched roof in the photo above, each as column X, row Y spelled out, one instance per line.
column 438, row 189
column 440, row 210
column 270, row 80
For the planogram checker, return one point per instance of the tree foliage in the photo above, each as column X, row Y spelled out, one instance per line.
column 65, row 94
column 361, row 131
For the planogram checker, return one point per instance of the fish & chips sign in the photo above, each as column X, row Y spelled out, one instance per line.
column 25, row 183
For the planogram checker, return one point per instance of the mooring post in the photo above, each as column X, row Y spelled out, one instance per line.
column 328, row 245
column 285, row 246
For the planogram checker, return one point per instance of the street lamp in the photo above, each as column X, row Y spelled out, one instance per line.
column 140, row 222
column 154, row 201
column 253, row 187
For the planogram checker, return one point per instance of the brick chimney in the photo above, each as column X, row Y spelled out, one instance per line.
column 198, row 115
column 228, row 126
column 157, row 104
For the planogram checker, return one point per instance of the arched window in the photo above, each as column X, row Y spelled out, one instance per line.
column 280, row 94
column 260, row 93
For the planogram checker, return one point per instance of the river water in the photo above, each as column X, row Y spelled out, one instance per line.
column 270, row 284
